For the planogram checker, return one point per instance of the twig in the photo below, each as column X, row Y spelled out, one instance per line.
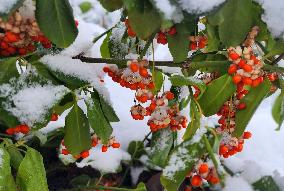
column 278, row 59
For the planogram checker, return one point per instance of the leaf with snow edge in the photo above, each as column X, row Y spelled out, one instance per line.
column 63, row 30
column 178, row 80
column 136, row 149
column 278, row 110
column 104, row 47
column 158, row 79
column 266, row 183
column 181, row 161
column 277, row 49
column 141, row 14
column 111, row 5
column 5, row 15
column 45, row 72
column 178, row 43
column 16, row 156
column 108, row 110
column 7, row 118
column 7, row 182
column 161, row 144
column 213, row 38
column 31, row 175
column 252, row 101
column 77, row 131
column 97, row 119
column 85, row 6
column 65, row 103
column 195, row 116
column 233, row 28
column 8, row 70
column 217, row 93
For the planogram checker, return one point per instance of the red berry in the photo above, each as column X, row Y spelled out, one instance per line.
column 162, row 41
column 232, row 69
column 223, row 149
column 85, row 154
column 240, row 147
column 196, row 181
column 242, row 63
column 104, row 148
column 4, row 45
column 247, row 135
column 64, row 152
column 54, row 117
column 193, row 46
column 241, row 106
column 237, row 79
column 143, row 99
column 234, row 56
column 115, row 145
column 247, row 81
column 134, row 67
column 214, row 180
column 143, row 72
column 12, row 37
column 203, row 168
column 10, row 131
column 24, row 129
column 106, row 69
column 130, row 32
column 170, row 95
column 172, row 31
column 22, row 51
column 151, row 85
column 247, row 68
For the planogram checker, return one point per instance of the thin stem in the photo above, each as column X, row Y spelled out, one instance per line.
column 101, row 35
column 278, row 59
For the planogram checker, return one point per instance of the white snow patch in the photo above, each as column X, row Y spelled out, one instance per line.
column 135, row 173
column 6, row 5
column 107, row 162
column 1, row 157
column 237, row 184
column 199, row 6
column 27, row 10
column 170, row 11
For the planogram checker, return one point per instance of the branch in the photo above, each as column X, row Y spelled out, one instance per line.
column 278, row 59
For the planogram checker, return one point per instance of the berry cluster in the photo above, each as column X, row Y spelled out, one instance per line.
column 130, row 32
column 162, row 35
column 18, row 129
column 230, row 145
column 202, row 172
column 197, row 42
column 19, row 36
column 134, row 77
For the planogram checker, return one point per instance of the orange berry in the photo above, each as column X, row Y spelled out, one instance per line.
column 247, row 135
column 247, row 68
column 223, row 149
column 143, row 72
column 151, row 85
column 134, row 67
column 12, row 37
column 106, row 69
column 234, row 56
column 54, row 117
column 239, row 147
column 115, row 145
column 10, row 131
column 232, row 69
column 22, row 51
column 85, row 154
column 172, row 31
column 64, row 152
column 214, row 180
column 170, row 95
column 24, row 129
column 242, row 63
column 94, row 143
column 143, row 99
column 193, row 46
column 241, row 106
column 130, row 32
column 104, row 148
column 203, row 168
column 255, row 82
column 196, row 181
column 237, row 79
column 247, row 81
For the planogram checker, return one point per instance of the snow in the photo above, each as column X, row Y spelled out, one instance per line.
column 199, row 6
column 107, row 162
column 27, row 10
column 6, row 5
column 237, row 184
column 273, row 16
column 135, row 173
column 170, row 11
column 1, row 157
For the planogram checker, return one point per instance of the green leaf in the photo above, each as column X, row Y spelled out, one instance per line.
column 178, row 80
column 252, row 101
column 178, row 43
column 108, row 111
column 111, row 5
column 277, row 48
column 213, row 38
column 56, row 21
column 195, row 116
column 17, row 4
column 235, row 19
column 161, row 144
column 136, row 149
column 8, row 70
column 31, row 174
column 7, row 182
column 64, row 104
column 104, row 47
column 85, row 6
column 77, row 131
column 16, row 157
column 144, row 19
column 141, row 187
column 278, row 110
column 158, row 80
column 181, row 161
column 216, row 94
column 266, row 183
column 6, row 117
column 273, row 68
column 97, row 119
column 45, row 72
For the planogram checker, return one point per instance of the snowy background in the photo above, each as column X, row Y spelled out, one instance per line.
column 263, row 153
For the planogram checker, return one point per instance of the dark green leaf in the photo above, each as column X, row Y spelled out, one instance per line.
column 161, row 144
column 213, row 38
column 141, row 187
column 8, row 70
column 16, row 157
column 277, row 48
column 6, row 117
column 158, row 79
column 7, row 182
column 235, row 19
column 144, row 19
column 252, row 101
column 31, row 174
column 64, row 104
column 216, row 94
column 278, row 110
column 45, row 72
column 97, row 119
column 56, row 21
column 108, row 110
column 136, row 149
column 111, row 5
column 77, row 131
column 195, row 116
column 266, row 183
column 178, row 80
column 85, row 6
column 104, row 47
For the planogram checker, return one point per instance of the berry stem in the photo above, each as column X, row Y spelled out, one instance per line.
column 103, row 34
